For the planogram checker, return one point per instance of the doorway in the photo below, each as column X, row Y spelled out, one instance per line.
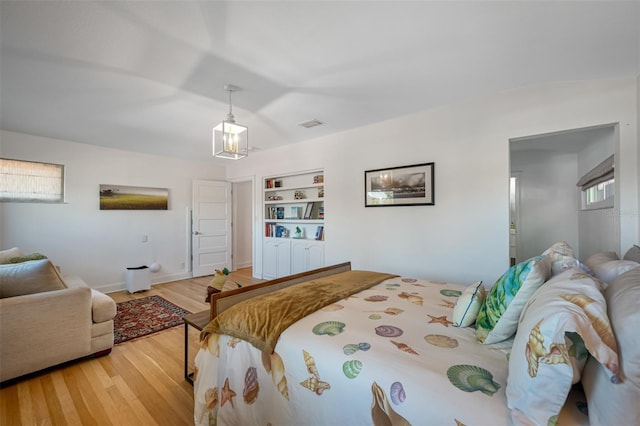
column 548, row 206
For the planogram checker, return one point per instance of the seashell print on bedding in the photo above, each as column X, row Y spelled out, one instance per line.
column 471, row 378
column 251, row 386
column 390, row 311
column 405, row 348
column 313, row 383
column 226, row 394
column 233, row 342
column 441, row 341
column 333, row 307
column 600, row 325
column 397, row 393
column 273, row 365
column 351, row 348
column 376, row 298
column 211, row 343
column 330, row 328
column 352, row 368
column 413, row 298
column 381, row 412
column 450, row 293
column 388, row 331
column 375, row 316
column 440, row 320
column 408, row 280
column 536, row 353
column 447, row 304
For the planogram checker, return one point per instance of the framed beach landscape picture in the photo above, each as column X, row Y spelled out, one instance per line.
column 400, row 186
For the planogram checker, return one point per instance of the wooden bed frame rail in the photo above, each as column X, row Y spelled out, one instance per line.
column 223, row 301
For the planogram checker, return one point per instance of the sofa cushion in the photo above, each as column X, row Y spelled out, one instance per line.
column 5, row 255
column 35, row 276
column 102, row 306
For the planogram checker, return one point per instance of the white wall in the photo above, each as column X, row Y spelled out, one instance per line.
column 243, row 224
column 464, row 237
column 599, row 229
column 98, row 245
column 549, row 201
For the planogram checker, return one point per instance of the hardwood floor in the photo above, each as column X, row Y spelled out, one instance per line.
column 141, row 382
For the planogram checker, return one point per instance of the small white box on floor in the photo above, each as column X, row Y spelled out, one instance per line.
column 137, row 279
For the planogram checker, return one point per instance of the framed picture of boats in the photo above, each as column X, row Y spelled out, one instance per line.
column 400, row 186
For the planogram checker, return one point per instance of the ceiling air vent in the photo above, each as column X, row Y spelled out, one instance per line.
column 311, row 123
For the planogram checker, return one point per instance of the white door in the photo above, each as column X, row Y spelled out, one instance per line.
column 211, row 227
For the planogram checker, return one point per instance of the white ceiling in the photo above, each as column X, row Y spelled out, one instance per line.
column 148, row 76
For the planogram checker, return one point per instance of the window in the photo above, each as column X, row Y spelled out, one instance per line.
column 598, row 186
column 599, row 196
column 28, row 181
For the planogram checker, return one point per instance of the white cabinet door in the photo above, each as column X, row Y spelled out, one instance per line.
column 306, row 255
column 299, row 255
column 277, row 258
column 316, row 255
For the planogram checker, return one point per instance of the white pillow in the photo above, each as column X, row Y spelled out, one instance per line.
column 633, row 254
column 608, row 271
column 599, row 258
column 609, row 403
column 561, row 256
column 465, row 311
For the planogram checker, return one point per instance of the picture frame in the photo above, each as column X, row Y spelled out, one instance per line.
column 122, row 197
column 411, row 185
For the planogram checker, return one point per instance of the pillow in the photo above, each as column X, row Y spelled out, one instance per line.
column 27, row 257
column 563, row 321
column 30, row 277
column 561, row 256
column 594, row 260
column 617, row 404
column 468, row 304
column 608, row 271
column 5, row 255
column 498, row 316
column 633, row 254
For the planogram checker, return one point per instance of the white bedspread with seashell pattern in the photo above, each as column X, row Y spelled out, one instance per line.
column 386, row 355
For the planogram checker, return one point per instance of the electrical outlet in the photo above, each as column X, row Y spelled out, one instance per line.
column 145, row 238
column 181, row 265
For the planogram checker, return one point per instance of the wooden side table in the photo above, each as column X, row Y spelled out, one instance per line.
column 198, row 320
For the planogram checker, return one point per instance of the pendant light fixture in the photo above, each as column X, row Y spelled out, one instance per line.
column 230, row 140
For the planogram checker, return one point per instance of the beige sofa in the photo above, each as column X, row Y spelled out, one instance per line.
column 47, row 319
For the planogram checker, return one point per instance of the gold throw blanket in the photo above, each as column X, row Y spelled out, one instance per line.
column 262, row 319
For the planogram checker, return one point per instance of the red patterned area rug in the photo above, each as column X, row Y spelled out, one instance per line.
column 144, row 316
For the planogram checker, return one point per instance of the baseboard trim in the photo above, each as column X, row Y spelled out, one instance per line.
column 114, row 287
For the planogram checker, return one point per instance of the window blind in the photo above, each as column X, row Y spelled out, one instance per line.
column 600, row 173
column 31, row 181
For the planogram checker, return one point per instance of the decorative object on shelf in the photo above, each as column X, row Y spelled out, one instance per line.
column 400, row 186
column 230, row 140
column 318, row 179
column 298, row 195
column 299, row 233
column 321, row 192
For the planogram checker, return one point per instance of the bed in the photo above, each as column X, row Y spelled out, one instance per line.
column 384, row 350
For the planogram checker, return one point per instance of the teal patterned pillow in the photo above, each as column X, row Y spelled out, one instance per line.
column 499, row 314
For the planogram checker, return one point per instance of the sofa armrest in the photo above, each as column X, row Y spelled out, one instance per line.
column 43, row 329
column 103, row 308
